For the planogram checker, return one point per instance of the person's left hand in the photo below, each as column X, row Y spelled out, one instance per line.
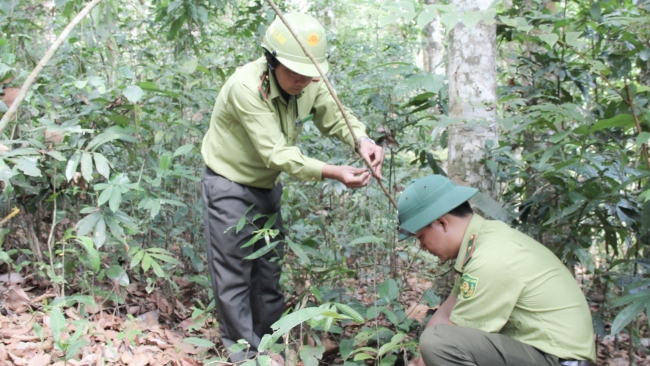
column 417, row 362
column 375, row 154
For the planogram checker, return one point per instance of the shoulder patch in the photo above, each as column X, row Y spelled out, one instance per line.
column 468, row 286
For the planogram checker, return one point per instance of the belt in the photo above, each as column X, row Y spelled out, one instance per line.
column 576, row 363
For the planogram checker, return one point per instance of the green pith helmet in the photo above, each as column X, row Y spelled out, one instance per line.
column 427, row 199
column 281, row 43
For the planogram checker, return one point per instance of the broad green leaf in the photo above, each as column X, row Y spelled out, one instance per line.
column 155, row 208
column 57, row 323
column 99, row 237
column 627, row 315
column 298, row 251
column 183, row 150
column 426, row 16
column 190, row 66
column 199, row 342
column 289, row 321
column 471, row 18
column 448, row 16
column 93, row 254
column 106, row 195
column 389, row 290
column 362, row 356
column 56, row 155
column 133, row 93
column 118, row 274
column 641, row 295
column 165, row 161
column 622, row 120
column 263, row 251
column 146, row 262
column 72, row 165
column 87, row 166
column 85, row 225
column 241, row 345
column 112, row 133
column 74, row 348
column 642, row 138
column 102, row 165
column 390, row 315
column 490, row 206
column 511, row 22
column 137, row 258
column 392, row 345
column 347, row 310
column 346, row 347
column 157, row 269
column 559, row 137
column 164, row 258
column 115, row 200
column 126, row 72
column 28, row 165
column 550, row 38
column 572, row 38
column 489, row 16
column 523, row 25
column 365, row 239
column 311, row 355
column 388, row 19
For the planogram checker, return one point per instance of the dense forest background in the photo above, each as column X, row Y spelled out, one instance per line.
column 102, row 257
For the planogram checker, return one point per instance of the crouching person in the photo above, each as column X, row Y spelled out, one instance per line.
column 513, row 303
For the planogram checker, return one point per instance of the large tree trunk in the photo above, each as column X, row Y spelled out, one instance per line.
column 471, row 72
column 472, row 97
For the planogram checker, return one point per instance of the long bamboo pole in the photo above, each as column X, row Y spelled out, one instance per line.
column 336, row 98
column 43, row 62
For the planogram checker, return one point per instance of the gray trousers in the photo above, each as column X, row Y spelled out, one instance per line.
column 448, row 344
column 247, row 293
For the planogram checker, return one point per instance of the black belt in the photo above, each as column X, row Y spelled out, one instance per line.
column 576, row 363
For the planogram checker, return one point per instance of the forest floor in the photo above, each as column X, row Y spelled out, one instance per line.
column 154, row 328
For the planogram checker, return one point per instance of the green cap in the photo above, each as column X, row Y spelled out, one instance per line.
column 281, row 43
column 426, row 200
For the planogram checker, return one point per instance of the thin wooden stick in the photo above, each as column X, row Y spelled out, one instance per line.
column 336, row 99
column 43, row 62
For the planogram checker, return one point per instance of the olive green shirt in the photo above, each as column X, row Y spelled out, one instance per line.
column 515, row 286
column 253, row 130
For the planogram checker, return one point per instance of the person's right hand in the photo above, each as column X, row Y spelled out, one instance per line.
column 350, row 176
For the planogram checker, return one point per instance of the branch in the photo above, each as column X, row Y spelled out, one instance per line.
column 43, row 62
column 336, row 99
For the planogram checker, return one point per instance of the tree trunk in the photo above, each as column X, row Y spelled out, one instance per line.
column 471, row 72
column 472, row 97
column 434, row 51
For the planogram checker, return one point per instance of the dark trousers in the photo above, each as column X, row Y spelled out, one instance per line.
column 448, row 344
column 247, row 292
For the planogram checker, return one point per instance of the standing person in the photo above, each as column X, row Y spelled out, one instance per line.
column 255, row 123
column 513, row 303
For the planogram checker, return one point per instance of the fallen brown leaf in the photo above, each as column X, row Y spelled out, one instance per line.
column 39, row 360
column 417, row 312
column 12, row 277
column 10, row 96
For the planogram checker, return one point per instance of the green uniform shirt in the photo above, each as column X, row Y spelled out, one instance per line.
column 253, row 130
column 513, row 285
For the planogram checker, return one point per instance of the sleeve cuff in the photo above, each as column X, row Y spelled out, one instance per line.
column 314, row 169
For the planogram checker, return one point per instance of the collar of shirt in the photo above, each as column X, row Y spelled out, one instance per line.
column 473, row 228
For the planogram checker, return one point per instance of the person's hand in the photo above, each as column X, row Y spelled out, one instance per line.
column 350, row 176
column 375, row 154
column 417, row 362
